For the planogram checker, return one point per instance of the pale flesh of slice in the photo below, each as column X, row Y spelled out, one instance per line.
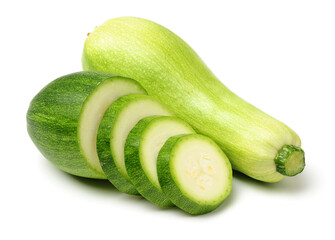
column 125, row 121
column 200, row 170
column 93, row 111
column 153, row 139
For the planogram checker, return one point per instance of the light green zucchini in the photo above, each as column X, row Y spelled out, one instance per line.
column 63, row 118
column 115, row 126
column 141, row 150
column 170, row 70
column 194, row 173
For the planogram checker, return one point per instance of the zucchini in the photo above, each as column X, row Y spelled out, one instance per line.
column 63, row 118
column 170, row 70
column 114, row 128
column 141, row 150
column 194, row 173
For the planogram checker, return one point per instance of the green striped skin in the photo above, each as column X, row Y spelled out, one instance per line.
column 169, row 69
column 170, row 186
column 52, row 121
column 106, row 135
column 134, row 154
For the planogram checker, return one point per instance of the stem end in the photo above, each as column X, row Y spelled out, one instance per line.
column 290, row 160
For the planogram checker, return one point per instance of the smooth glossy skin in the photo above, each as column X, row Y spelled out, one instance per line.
column 170, row 70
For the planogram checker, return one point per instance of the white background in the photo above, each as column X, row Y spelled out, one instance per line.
column 278, row 55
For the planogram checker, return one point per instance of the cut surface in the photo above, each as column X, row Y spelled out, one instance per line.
column 127, row 117
column 194, row 173
column 141, row 150
column 200, row 170
column 153, row 139
column 93, row 110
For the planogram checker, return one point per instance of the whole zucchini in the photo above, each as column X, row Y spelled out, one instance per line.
column 167, row 67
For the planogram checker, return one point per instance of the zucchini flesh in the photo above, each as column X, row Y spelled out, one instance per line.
column 141, row 150
column 170, row 70
column 115, row 126
column 63, row 118
column 194, row 173
column 93, row 110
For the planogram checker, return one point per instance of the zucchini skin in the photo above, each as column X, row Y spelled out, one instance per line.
column 52, row 121
column 134, row 167
column 170, row 70
column 170, row 187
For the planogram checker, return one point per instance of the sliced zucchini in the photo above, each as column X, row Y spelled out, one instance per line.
column 194, row 173
column 141, row 150
column 63, row 118
column 93, row 110
column 115, row 126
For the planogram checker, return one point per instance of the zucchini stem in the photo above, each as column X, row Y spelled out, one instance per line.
column 290, row 160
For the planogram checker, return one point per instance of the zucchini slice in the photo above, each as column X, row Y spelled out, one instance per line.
column 141, row 150
column 115, row 126
column 194, row 173
column 63, row 118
